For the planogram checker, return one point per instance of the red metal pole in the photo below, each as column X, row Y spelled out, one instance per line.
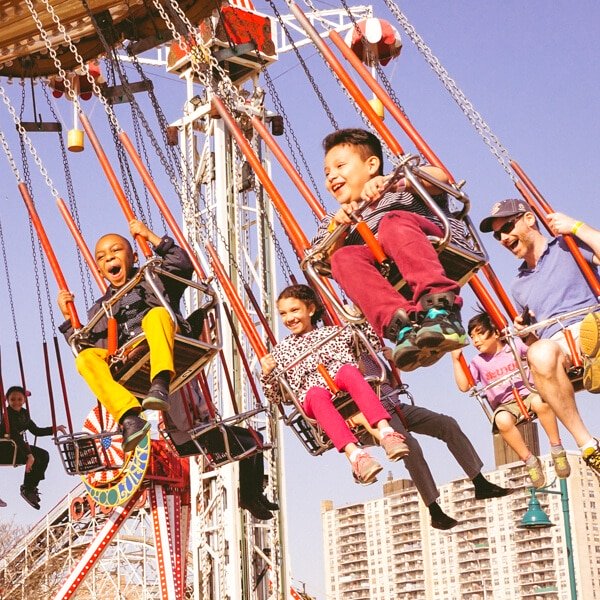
column 389, row 104
column 299, row 240
column 83, row 248
column 236, row 303
column 467, row 372
column 493, row 280
column 583, row 265
column 488, row 303
column 113, row 181
column 347, row 81
column 45, row 242
column 284, row 161
column 160, row 202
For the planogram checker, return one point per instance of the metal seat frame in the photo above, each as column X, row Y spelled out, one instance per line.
column 4, row 441
column 458, row 262
column 308, row 431
column 130, row 364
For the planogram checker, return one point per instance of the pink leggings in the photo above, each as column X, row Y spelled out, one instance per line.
column 318, row 405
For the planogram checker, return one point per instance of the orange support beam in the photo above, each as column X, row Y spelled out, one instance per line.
column 389, row 104
column 52, row 260
column 236, row 303
column 347, row 81
column 299, row 240
column 583, row 265
column 488, row 303
column 160, row 202
column 113, row 180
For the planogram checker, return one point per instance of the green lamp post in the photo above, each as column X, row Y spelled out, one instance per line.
column 535, row 517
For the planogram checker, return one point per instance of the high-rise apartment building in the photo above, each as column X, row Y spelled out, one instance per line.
column 385, row 549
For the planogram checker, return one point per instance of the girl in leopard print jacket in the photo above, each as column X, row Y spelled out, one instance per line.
column 299, row 355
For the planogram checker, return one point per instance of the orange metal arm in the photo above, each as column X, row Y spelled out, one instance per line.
column 112, row 179
column 488, row 303
column 45, row 242
column 392, row 108
column 299, row 240
column 236, row 303
column 347, row 81
column 520, row 403
column 85, row 251
column 371, row 241
column 583, row 265
column 160, row 202
column 333, row 388
column 493, row 280
column 467, row 372
column 284, row 161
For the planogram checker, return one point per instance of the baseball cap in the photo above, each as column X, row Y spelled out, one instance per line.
column 504, row 208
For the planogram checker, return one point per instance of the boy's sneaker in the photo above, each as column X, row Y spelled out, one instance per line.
column 591, row 457
column 406, row 353
column 536, row 473
column 394, row 446
column 561, row 464
column 589, row 342
column 365, row 469
column 158, row 397
column 134, row 430
column 31, row 496
column 441, row 329
column 2, row 503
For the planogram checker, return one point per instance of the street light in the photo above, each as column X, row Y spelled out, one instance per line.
column 535, row 517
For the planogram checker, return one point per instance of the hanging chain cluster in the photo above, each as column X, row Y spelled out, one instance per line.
column 489, row 138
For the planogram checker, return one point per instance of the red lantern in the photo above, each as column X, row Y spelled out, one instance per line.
column 374, row 41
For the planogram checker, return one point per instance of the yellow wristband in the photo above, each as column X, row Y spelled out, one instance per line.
column 332, row 226
column 576, row 227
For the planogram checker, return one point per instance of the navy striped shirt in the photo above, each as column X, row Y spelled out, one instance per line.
column 374, row 212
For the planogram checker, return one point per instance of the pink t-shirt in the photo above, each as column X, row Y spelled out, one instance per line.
column 489, row 367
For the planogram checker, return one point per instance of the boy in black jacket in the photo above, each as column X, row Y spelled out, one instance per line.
column 138, row 310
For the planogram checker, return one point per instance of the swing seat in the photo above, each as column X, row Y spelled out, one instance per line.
column 79, row 453
column 220, row 441
column 9, row 453
column 308, row 431
column 461, row 256
column 130, row 365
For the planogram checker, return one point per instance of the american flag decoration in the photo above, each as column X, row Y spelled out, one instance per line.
column 109, row 446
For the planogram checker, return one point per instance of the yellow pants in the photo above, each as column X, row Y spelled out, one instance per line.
column 92, row 366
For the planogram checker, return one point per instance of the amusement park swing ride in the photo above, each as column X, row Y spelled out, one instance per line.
column 218, row 159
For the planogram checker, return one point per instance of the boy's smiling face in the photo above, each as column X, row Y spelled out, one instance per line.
column 347, row 171
column 114, row 258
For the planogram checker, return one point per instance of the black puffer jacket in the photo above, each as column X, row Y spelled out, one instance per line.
column 133, row 306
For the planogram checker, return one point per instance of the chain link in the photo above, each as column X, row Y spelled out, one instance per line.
column 84, row 273
column 288, row 127
column 489, row 138
column 8, row 283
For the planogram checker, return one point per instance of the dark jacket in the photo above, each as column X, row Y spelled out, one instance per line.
column 20, row 422
column 133, row 306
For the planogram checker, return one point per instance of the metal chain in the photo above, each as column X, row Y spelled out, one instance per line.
column 489, row 138
column 25, row 138
column 9, row 157
column 32, row 236
column 8, row 284
column 68, row 87
column 141, row 149
column 304, row 66
column 84, row 273
column 288, row 127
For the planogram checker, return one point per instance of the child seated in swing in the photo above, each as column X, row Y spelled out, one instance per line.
column 494, row 360
column 427, row 324
column 300, row 310
column 138, row 310
column 35, row 459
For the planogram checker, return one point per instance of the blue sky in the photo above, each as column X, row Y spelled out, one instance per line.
column 531, row 69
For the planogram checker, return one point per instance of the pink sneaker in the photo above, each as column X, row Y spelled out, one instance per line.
column 365, row 469
column 394, row 446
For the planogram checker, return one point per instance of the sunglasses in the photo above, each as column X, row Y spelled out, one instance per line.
column 507, row 227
